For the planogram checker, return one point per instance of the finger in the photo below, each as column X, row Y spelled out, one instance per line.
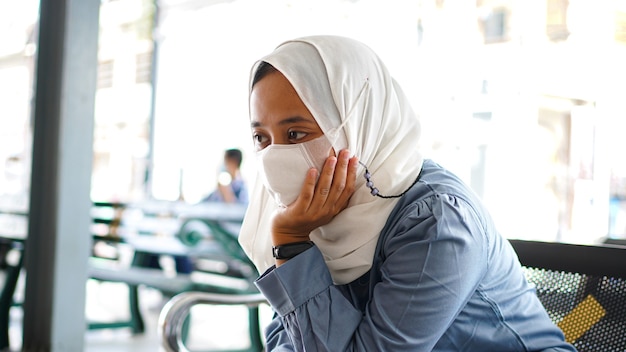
column 324, row 183
column 350, row 185
column 339, row 176
column 308, row 189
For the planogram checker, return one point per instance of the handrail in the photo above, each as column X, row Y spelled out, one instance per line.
column 177, row 308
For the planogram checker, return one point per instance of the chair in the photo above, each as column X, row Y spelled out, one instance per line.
column 174, row 314
column 583, row 288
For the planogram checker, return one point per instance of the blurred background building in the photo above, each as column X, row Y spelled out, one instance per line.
column 523, row 99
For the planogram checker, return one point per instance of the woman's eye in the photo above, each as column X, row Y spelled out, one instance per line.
column 295, row 135
column 259, row 139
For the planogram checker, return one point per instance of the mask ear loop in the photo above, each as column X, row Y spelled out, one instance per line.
column 375, row 192
column 368, row 176
column 332, row 137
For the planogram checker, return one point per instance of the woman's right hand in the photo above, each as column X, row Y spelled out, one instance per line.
column 319, row 201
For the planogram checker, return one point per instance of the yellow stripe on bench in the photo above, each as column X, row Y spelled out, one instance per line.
column 582, row 318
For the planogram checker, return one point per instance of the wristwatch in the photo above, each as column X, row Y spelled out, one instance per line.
column 290, row 250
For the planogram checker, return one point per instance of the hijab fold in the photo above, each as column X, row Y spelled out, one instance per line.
column 358, row 106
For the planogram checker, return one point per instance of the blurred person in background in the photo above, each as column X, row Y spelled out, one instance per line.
column 231, row 187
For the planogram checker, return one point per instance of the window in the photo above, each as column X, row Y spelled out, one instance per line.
column 105, row 74
column 143, row 68
column 620, row 26
column 494, row 25
column 556, row 19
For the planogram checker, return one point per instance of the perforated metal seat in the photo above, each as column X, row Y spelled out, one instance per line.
column 583, row 288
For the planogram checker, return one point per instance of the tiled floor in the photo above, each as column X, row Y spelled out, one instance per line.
column 212, row 327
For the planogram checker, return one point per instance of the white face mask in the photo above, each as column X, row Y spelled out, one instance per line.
column 283, row 167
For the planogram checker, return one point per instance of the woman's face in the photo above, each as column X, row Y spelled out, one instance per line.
column 278, row 115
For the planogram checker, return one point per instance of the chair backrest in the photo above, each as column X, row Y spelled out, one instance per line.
column 583, row 288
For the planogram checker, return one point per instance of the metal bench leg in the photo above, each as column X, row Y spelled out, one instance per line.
column 136, row 320
column 255, row 330
column 6, row 301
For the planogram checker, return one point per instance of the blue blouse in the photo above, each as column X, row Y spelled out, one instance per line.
column 442, row 279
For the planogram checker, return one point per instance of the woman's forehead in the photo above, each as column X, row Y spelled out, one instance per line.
column 275, row 104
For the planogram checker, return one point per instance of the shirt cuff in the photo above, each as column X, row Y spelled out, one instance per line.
column 295, row 282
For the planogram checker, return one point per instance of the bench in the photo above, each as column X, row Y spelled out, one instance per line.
column 13, row 225
column 11, row 262
column 233, row 275
column 171, row 325
column 135, row 277
column 583, row 288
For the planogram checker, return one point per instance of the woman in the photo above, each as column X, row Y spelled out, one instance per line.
column 364, row 245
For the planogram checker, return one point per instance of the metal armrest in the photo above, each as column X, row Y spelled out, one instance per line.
column 177, row 308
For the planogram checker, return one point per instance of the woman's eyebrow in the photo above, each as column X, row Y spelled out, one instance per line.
column 294, row 119
column 288, row 120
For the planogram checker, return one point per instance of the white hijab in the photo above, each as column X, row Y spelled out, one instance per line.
column 358, row 106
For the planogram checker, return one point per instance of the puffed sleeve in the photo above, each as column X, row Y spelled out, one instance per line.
column 302, row 294
column 434, row 254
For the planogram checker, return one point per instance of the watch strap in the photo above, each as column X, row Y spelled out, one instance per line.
column 290, row 250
